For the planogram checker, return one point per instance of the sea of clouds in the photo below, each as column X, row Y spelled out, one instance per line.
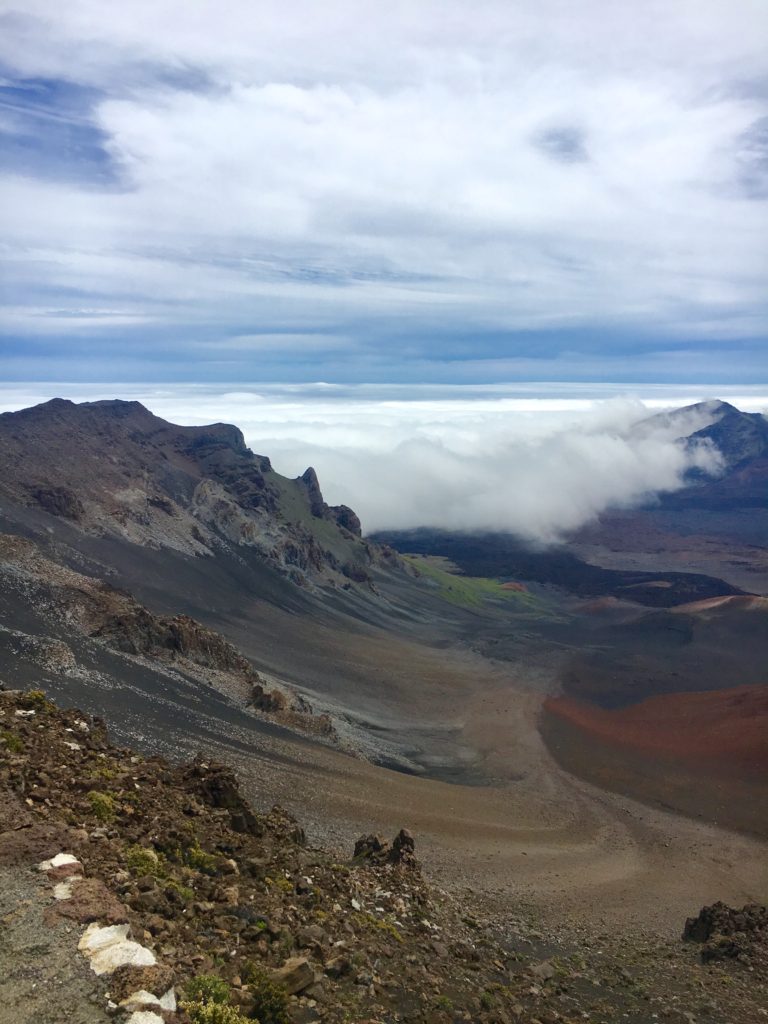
column 536, row 460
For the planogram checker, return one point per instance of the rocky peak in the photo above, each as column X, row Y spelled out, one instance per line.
column 341, row 515
column 114, row 468
column 315, row 495
column 738, row 436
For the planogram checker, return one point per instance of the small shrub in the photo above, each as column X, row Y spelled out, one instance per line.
column 36, row 700
column 141, row 861
column 208, row 1002
column 185, row 894
column 102, row 805
column 215, row 1013
column 377, row 924
column 486, row 1001
column 196, row 857
column 270, row 999
column 207, row 988
column 12, row 742
column 444, row 1003
column 283, row 884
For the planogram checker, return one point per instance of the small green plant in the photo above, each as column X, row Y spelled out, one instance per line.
column 377, row 924
column 12, row 742
column 207, row 988
column 444, row 1003
column 270, row 999
column 208, row 1002
column 102, row 805
column 215, row 1013
column 185, row 894
column 486, row 1001
column 141, row 861
column 195, row 857
column 283, row 884
column 36, row 700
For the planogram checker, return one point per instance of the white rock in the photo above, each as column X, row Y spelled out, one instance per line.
column 356, row 905
column 72, row 746
column 168, row 999
column 24, row 714
column 138, row 999
column 109, row 948
column 57, row 861
column 82, row 726
column 63, row 891
column 145, row 1017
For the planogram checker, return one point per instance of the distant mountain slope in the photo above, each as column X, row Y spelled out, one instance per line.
column 741, row 438
column 113, row 468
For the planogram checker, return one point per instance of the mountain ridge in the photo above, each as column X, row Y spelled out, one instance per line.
column 113, row 467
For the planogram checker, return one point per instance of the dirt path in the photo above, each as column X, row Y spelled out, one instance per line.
column 573, row 854
column 44, row 979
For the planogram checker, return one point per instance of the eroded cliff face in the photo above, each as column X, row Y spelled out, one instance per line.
column 113, row 468
column 71, row 605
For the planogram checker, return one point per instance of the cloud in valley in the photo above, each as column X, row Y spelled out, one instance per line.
column 497, row 458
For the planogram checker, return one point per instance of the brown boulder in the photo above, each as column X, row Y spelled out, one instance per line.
column 295, row 975
column 92, row 901
column 34, row 844
column 128, row 979
column 376, row 850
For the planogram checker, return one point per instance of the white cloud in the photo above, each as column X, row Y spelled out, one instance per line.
column 537, row 460
column 360, row 164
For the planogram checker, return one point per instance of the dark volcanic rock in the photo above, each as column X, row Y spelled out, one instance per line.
column 346, row 518
column 374, row 849
column 720, row 919
column 59, row 501
column 217, row 786
column 116, row 470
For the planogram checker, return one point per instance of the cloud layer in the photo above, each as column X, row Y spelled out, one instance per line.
column 370, row 191
column 498, row 458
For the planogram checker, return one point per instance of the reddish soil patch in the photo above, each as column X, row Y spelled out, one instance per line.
column 726, row 730
column 519, row 588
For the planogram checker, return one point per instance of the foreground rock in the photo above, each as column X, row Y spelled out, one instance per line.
column 179, row 894
column 725, row 932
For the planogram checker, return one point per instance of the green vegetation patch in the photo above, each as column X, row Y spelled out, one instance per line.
column 215, row 1013
column 466, row 591
column 207, row 1002
column 196, row 858
column 270, row 999
column 36, row 700
column 207, row 988
column 141, row 861
column 102, row 805
column 12, row 742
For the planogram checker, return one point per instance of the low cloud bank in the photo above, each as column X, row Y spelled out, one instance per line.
column 534, row 460
column 538, row 476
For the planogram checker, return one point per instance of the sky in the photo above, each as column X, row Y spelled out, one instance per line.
column 403, row 192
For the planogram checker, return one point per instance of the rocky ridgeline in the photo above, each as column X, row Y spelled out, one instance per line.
column 95, row 610
column 113, row 469
column 185, row 906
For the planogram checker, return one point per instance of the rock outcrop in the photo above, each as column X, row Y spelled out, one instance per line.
column 112, row 468
column 729, row 933
column 180, row 894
